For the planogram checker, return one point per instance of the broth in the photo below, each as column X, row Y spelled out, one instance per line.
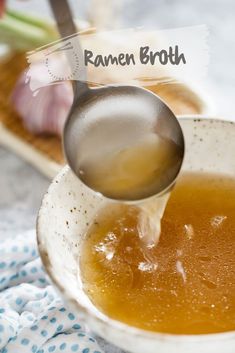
column 186, row 283
column 133, row 173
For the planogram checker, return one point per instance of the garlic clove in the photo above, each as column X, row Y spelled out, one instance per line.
column 45, row 111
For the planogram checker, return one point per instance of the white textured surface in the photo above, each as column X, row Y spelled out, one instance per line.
column 22, row 187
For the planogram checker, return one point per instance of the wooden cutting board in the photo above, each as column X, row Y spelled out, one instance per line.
column 45, row 152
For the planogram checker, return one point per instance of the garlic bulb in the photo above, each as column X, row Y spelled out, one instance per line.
column 45, row 111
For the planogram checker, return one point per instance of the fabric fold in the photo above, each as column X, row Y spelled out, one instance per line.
column 33, row 318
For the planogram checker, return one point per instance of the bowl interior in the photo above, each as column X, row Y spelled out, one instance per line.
column 69, row 207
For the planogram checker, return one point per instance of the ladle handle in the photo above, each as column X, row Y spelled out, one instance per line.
column 67, row 27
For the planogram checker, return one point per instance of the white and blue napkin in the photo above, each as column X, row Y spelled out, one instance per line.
column 33, row 318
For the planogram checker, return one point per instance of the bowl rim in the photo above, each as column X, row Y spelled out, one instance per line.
column 99, row 316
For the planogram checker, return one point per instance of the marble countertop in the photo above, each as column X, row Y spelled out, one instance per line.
column 20, row 199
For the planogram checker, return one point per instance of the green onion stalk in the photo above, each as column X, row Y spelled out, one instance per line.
column 22, row 32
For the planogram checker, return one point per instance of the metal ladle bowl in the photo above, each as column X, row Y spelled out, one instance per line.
column 111, row 118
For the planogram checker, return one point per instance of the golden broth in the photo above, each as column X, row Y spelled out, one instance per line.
column 135, row 172
column 186, row 283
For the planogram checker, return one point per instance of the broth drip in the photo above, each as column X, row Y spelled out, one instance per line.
column 149, row 219
column 185, row 284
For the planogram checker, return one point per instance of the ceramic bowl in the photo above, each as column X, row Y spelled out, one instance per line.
column 69, row 207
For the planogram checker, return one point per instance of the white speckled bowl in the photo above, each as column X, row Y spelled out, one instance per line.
column 68, row 208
